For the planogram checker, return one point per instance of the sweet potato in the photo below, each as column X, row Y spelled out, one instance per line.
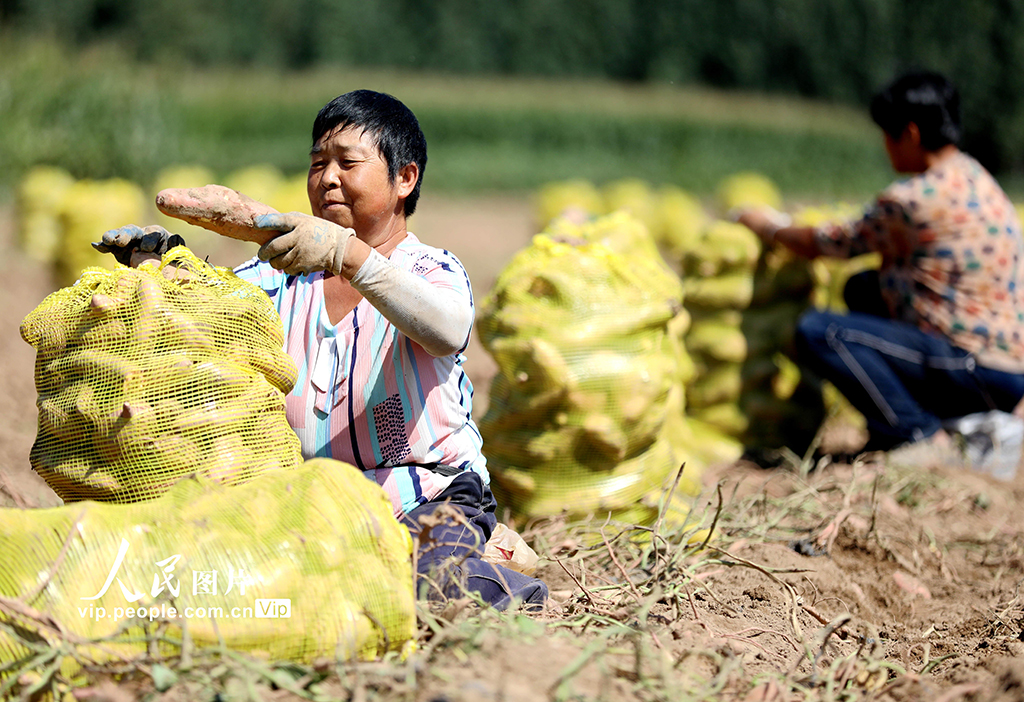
column 276, row 366
column 57, row 422
column 208, row 421
column 217, row 208
column 108, row 334
column 184, row 332
column 94, row 364
column 174, row 455
column 229, row 461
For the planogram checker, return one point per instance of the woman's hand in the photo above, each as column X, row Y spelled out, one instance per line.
column 307, row 243
column 763, row 221
column 132, row 245
column 773, row 227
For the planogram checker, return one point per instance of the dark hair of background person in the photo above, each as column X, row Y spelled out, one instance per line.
column 392, row 125
column 925, row 98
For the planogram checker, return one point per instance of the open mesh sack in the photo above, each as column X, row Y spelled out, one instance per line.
column 320, row 537
column 146, row 375
column 585, row 326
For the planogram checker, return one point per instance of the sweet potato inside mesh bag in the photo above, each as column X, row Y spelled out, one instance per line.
column 147, row 375
column 584, row 326
column 295, row 565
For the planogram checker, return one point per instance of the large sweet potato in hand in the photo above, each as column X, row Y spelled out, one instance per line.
column 217, row 208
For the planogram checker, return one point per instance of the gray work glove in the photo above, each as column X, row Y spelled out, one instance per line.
column 124, row 241
column 307, row 243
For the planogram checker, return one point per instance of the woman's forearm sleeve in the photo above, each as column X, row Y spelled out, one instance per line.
column 436, row 318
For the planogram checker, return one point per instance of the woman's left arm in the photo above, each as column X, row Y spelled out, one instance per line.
column 437, row 318
column 771, row 229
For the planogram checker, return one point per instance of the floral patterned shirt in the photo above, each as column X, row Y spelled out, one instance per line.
column 952, row 253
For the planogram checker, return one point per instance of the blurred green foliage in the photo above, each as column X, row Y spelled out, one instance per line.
column 97, row 123
column 98, row 114
column 833, row 49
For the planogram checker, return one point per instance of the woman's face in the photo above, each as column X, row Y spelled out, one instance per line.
column 348, row 184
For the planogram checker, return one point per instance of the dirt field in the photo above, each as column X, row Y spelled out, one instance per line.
column 863, row 581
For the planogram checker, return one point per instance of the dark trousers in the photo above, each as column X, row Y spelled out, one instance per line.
column 449, row 547
column 903, row 380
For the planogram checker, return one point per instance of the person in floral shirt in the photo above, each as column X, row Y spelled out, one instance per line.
column 936, row 333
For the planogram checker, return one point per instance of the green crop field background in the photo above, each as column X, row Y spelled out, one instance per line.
column 510, row 94
column 99, row 113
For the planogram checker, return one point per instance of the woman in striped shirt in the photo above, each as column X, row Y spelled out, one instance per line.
column 377, row 323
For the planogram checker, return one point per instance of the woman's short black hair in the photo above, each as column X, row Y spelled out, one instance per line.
column 925, row 98
column 392, row 125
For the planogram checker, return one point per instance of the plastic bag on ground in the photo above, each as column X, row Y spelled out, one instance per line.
column 507, row 548
column 993, row 442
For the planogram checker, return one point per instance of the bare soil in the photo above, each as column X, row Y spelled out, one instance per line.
column 863, row 580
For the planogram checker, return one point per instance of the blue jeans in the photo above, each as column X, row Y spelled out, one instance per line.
column 903, row 380
column 448, row 560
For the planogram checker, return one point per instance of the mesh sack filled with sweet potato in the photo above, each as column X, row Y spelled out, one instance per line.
column 89, row 208
column 585, row 326
column 38, row 198
column 146, row 375
column 295, row 565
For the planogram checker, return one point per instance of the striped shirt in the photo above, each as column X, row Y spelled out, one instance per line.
column 952, row 258
column 367, row 394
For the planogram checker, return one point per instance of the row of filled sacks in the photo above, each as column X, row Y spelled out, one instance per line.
column 59, row 216
column 765, row 402
column 745, row 302
column 830, row 278
column 674, row 217
column 700, row 244
column 724, row 268
column 746, row 383
column 585, row 326
column 298, row 565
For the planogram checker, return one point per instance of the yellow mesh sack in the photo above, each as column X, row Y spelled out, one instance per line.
column 291, row 195
column 831, row 275
column 635, row 196
column 142, row 380
column 780, row 275
column 704, row 443
column 319, row 542
column 720, row 340
column 681, row 220
column 260, row 182
column 722, row 246
column 585, row 328
column 818, row 215
column 726, row 417
column 89, row 208
column 747, row 189
column 722, row 383
column 576, row 199
column 38, row 201
column 732, row 290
